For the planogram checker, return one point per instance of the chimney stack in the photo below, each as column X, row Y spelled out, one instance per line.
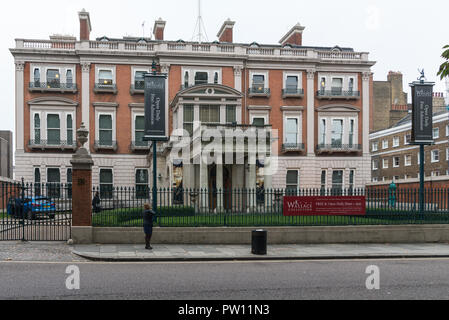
column 158, row 29
column 85, row 26
column 226, row 31
column 294, row 36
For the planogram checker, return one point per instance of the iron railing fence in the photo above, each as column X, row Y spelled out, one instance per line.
column 177, row 207
column 35, row 211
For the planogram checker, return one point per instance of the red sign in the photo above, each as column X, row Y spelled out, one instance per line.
column 324, row 206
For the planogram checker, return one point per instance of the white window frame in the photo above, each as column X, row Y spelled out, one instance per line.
column 43, row 111
column 434, row 158
column 405, row 139
column 447, row 130
column 62, row 69
column 394, row 161
column 385, row 160
column 105, row 111
column 210, row 74
column 447, row 154
column 435, row 173
column 135, row 114
column 375, row 179
column 292, row 115
column 385, row 144
column 375, row 146
column 407, row 163
column 396, row 142
column 259, row 114
column 437, row 135
column 259, row 73
column 134, row 69
column 292, row 74
column 100, row 67
column 297, row 182
column 345, row 83
column 329, row 118
column 375, row 164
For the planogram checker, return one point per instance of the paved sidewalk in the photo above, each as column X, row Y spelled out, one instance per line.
column 243, row 252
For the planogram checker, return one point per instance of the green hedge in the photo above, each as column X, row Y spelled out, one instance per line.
column 120, row 216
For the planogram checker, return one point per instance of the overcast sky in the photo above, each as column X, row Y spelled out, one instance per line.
column 400, row 35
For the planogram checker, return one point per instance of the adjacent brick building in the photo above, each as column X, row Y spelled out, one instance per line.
column 394, row 158
column 6, row 155
column 317, row 98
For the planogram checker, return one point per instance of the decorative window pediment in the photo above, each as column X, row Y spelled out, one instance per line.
column 53, row 101
column 338, row 108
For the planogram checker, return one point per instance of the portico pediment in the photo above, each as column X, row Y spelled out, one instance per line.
column 208, row 91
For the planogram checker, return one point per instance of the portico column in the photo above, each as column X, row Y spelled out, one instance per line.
column 85, row 99
column 268, row 183
column 20, row 136
column 366, row 175
column 311, row 112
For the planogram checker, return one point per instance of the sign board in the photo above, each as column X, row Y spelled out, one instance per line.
column 325, row 206
column 156, row 117
column 422, row 112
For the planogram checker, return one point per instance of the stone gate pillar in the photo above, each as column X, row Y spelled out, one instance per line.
column 82, row 191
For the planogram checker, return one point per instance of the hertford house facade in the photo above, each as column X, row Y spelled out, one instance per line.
column 317, row 100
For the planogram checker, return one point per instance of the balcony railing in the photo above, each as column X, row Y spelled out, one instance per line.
column 105, row 88
column 137, row 87
column 191, row 47
column 338, row 93
column 105, row 145
column 140, row 145
column 52, row 87
column 338, row 147
column 292, row 93
column 293, row 147
column 52, row 144
column 259, row 92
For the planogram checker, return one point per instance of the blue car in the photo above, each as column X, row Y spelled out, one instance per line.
column 31, row 208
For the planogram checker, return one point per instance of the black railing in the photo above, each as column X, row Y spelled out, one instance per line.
column 259, row 91
column 292, row 92
column 52, row 86
column 178, row 207
column 102, row 87
column 337, row 92
column 52, row 144
column 338, row 147
column 137, row 87
column 293, row 147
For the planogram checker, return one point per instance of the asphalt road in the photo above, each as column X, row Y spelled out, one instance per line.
column 312, row 280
